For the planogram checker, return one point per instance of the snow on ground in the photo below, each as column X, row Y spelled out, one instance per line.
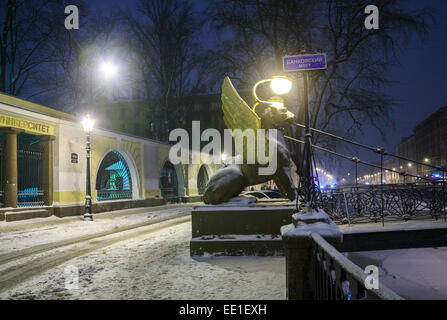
column 68, row 228
column 416, row 274
column 158, row 266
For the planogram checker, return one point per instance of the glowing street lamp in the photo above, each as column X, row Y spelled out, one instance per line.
column 223, row 157
column 280, row 85
column 88, row 124
column 108, row 69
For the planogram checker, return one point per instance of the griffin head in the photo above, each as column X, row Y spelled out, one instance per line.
column 273, row 114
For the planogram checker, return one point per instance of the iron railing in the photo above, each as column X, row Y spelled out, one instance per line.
column 113, row 181
column 104, row 195
column 29, row 158
column 380, row 202
column 335, row 277
column 30, row 197
column 170, row 195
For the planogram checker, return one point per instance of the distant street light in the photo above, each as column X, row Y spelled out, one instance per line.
column 223, row 156
column 88, row 124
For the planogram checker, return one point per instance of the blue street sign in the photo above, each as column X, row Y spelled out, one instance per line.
column 305, row 62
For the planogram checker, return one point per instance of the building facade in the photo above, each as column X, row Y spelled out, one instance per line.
column 428, row 144
column 43, row 166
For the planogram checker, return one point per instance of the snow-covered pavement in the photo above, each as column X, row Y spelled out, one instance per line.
column 153, row 262
column 415, row 274
column 153, row 265
column 24, row 234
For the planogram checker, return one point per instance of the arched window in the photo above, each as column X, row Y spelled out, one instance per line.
column 113, row 181
column 202, row 179
column 168, row 181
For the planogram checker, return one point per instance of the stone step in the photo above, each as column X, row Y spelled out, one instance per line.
column 236, row 247
column 27, row 214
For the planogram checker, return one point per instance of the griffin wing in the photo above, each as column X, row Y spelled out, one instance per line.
column 237, row 113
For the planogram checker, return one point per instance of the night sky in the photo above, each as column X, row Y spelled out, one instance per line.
column 421, row 87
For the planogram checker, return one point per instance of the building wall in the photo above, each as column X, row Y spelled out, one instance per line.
column 145, row 158
column 428, row 145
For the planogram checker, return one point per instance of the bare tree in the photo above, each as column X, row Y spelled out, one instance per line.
column 352, row 90
column 25, row 27
column 165, row 49
column 74, row 79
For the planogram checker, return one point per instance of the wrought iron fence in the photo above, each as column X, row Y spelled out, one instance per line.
column 30, row 197
column 104, row 195
column 335, row 277
column 170, row 195
column 113, row 181
column 29, row 158
column 379, row 202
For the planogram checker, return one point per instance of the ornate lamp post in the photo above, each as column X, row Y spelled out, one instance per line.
column 88, row 123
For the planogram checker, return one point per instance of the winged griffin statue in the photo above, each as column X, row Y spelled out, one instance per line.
column 230, row 181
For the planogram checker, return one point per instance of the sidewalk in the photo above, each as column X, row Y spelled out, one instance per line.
column 20, row 235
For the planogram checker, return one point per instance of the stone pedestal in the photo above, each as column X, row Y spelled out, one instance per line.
column 297, row 243
column 239, row 228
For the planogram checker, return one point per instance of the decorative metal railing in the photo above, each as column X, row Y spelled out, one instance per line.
column 335, row 277
column 30, row 197
column 104, row 195
column 29, row 159
column 113, row 180
column 169, row 194
column 380, row 202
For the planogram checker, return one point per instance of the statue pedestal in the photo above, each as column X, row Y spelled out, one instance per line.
column 235, row 229
column 298, row 249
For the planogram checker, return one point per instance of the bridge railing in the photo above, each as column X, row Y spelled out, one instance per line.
column 335, row 277
column 379, row 202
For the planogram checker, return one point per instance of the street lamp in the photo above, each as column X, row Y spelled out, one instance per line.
column 88, row 123
column 223, row 157
column 108, row 69
column 279, row 85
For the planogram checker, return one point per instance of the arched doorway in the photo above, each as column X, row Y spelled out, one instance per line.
column 202, row 179
column 168, row 182
column 113, row 180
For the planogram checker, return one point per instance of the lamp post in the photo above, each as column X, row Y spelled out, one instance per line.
column 282, row 85
column 88, row 123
